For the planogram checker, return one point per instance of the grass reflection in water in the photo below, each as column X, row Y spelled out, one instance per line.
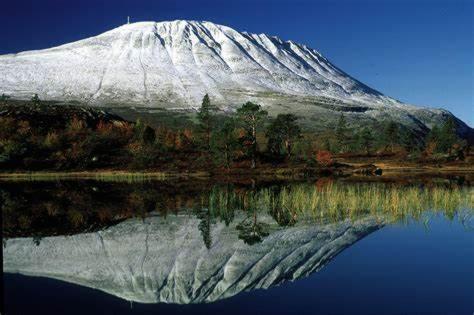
column 41, row 209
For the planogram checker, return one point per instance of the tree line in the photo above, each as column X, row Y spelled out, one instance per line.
column 243, row 139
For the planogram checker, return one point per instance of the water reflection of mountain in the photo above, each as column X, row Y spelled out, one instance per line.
column 166, row 260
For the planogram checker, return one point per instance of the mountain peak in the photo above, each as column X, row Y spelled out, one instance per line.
column 179, row 61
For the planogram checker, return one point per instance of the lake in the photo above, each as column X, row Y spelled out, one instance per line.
column 325, row 246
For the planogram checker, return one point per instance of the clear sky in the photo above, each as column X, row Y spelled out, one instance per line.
column 419, row 51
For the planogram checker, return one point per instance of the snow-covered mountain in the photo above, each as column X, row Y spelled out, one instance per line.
column 177, row 62
column 173, row 64
column 165, row 259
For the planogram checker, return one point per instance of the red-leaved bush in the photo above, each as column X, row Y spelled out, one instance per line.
column 324, row 158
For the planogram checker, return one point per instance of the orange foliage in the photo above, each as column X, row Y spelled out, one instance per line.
column 23, row 127
column 75, row 124
column 188, row 134
column 51, row 140
column 430, row 148
column 324, row 158
column 170, row 139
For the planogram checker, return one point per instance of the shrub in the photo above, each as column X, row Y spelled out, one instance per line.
column 324, row 158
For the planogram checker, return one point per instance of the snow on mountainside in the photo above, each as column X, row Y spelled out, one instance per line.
column 165, row 259
column 177, row 62
column 173, row 64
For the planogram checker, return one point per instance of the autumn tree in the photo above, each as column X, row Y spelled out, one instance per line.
column 324, row 158
column 251, row 116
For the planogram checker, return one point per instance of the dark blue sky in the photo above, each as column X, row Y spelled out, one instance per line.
column 417, row 51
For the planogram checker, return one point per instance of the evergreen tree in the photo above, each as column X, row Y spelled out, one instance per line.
column 390, row 135
column 206, row 116
column 252, row 231
column 251, row 115
column 36, row 100
column 366, row 140
column 447, row 136
column 205, row 227
column 144, row 133
column 224, row 142
column 442, row 138
column 342, row 134
column 407, row 140
column 432, row 139
column 281, row 133
column 4, row 99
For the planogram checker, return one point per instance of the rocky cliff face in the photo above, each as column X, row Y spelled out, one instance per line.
column 165, row 259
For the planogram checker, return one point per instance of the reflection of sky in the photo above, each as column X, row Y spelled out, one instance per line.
column 401, row 269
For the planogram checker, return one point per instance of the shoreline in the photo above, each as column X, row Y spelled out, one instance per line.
column 389, row 170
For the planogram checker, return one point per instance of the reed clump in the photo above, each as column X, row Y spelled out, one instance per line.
column 336, row 201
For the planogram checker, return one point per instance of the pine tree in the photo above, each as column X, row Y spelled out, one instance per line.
column 206, row 116
column 205, row 227
column 281, row 133
column 251, row 115
column 224, row 142
column 447, row 136
column 36, row 100
column 443, row 137
column 407, row 140
column 342, row 133
column 391, row 135
column 366, row 140
column 4, row 99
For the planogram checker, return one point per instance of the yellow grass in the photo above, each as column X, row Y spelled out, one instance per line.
column 336, row 202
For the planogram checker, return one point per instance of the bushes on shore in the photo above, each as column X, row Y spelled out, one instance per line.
column 243, row 139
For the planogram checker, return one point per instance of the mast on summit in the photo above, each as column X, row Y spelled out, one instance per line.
column 128, row 20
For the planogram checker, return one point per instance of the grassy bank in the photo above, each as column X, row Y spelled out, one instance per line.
column 389, row 168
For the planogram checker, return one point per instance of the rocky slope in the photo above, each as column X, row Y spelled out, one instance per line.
column 165, row 259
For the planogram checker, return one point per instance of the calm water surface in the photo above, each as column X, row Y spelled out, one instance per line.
column 325, row 247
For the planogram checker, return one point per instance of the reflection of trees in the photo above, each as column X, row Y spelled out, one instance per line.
column 75, row 217
column 283, row 215
column 223, row 202
column 37, row 240
column 78, row 206
column 205, row 227
column 251, row 231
